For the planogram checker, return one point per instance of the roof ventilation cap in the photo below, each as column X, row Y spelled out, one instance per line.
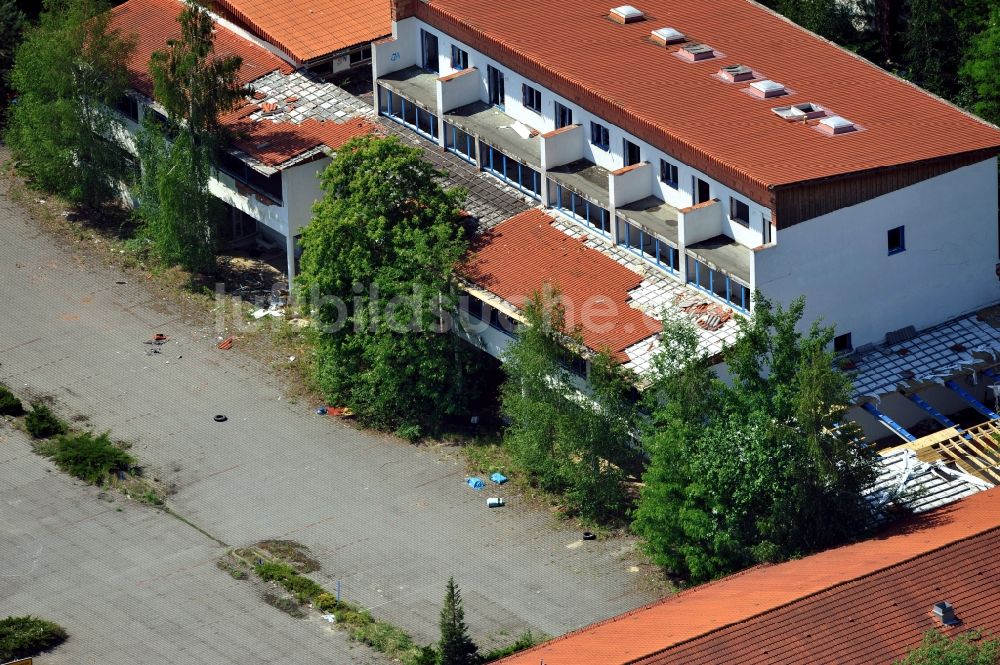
column 835, row 124
column 767, row 88
column 668, row 36
column 736, row 73
column 626, row 14
column 696, row 52
column 945, row 613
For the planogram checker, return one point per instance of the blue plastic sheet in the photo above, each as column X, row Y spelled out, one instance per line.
column 475, row 483
column 498, row 478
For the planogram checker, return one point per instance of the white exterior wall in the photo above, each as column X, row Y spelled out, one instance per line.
column 840, row 260
column 405, row 51
column 301, row 187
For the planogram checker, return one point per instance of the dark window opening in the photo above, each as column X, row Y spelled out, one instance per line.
column 599, row 135
column 459, row 58
column 739, row 211
column 429, row 51
column 668, row 173
column 564, row 116
column 632, row 154
column 360, row 56
column 896, row 240
column 531, row 98
column 701, row 191
column 128, row 106
column 842, row 343
column 494, row 84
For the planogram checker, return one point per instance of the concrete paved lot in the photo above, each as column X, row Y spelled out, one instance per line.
column 390, row 520
column 135, row 586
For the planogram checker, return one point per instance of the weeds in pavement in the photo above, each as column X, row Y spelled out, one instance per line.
column 10, row 405
column 42, row 423
column 88, row 456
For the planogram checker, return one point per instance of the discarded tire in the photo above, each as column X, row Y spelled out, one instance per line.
column 220, row 418
column 587, row 535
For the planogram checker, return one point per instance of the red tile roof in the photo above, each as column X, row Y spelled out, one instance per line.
column 864, row 603
column 524, row 253
column 308, row 29
column 154, row 22
column 616, row 72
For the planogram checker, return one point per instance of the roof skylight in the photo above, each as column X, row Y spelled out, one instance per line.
column 836, row 124
column 695, row 52
column 736, row 73
column 767, row 88
column 668, row 36
column 626, row 14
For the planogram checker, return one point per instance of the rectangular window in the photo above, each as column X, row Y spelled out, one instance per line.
column 564, row 116
column 739, row 211
column 579, row 208
column 459, row 142
column 526, row 179
column 718, row 283
column 128, row 106
column 407, row 113
column 459, row 58
column 599, row 135
column 429, row 51
column 842, row 343
column 631, row 151
column 668, row 173
column 896, row 240
column 531, row 98
column 362, row 55
column 494, row 85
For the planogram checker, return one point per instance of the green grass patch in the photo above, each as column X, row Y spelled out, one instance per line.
column 303, row 588
column 526, row 641
column 10, row 405
column 42, row 423
column 27, row 636
column 88, row 456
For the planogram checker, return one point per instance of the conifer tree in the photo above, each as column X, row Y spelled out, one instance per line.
column 456, row 647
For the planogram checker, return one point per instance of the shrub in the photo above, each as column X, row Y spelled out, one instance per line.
column 526, row 641
column 303, row 587
column 27, row 636
column 42, row 423
column 88, row 456
column 10, row 405
column 325, row 602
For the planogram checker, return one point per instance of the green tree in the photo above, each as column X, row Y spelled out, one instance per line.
column 455, row 647
column 195, row 86
column 965, row 649
column 829, row 18
column 568, row 440
column 377, row 268
column 757, row 471
column 979, row 70
column 67, row 72
column 933, row 47
column 12, row 22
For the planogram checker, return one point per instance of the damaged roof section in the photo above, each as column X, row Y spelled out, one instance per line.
column 931, row 357
column 289, row 118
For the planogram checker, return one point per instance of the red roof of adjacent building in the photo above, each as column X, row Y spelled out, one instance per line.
column 525, row 253
column 153, row 22
column 864, row 603
column 309, row 29
column 617, row 72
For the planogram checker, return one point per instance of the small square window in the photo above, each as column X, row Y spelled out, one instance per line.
column 599, row 135
column 896, row 240
column 668, row 173
column 459, row 58
column 739, row 211
column 531, row 97
column 842, row 343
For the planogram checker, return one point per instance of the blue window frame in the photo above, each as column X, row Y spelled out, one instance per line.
column 599, row 135
column 719, row 284
column 401, row 110
column 668, row 173
column 632, row 153
column 896, row 240
column 459, row 142
column 564, row 116
column 639, row 241
column 459, row 58
column 575, row 206
column 531, row 98
column 524, row 178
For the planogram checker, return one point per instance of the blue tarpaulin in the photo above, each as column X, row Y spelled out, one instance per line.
column 475, row 483
column 498, row 478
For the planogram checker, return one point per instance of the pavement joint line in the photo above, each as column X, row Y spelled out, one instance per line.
column 170, row 511
column 18, row 346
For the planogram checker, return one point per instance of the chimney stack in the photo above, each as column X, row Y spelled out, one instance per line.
column 945, row 613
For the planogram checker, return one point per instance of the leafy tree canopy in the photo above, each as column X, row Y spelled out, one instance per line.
column 67, row 72
column 754, row 471
column 966, row 649
column 982, row 62
column 377, row 268
column 568, row 439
